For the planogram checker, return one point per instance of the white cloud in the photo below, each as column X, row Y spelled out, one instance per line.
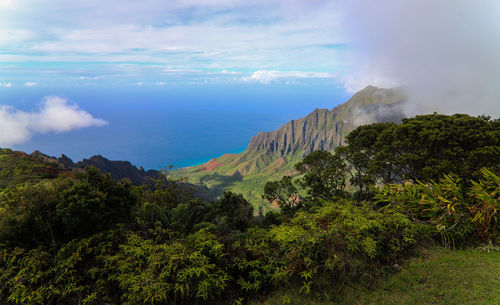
column 446, row 53
column 266, row 77
column 229, row 72
column 235, row 35
column 6, row 85
column 54, row 115
column 6, row 3
column 30, row 84
column 169, row 70
column 92, row 77
column 140, row 83
column 160, row 83
column 355, row 82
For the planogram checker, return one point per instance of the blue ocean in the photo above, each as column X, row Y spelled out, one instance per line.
column 179, row 126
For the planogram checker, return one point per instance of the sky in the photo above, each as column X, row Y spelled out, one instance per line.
column 159, row 43
column 446, row 53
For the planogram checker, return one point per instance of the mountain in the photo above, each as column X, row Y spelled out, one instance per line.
column 270, row 155
column 120, row 169
column 117, row 169
column 17, row 167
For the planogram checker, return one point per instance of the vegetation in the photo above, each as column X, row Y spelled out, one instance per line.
column 273, row 155
column 17, row 167
column 437, row 276
column 88, row 239
column 423, row 148
column 228, row 177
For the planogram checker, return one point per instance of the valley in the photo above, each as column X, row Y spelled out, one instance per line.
column 272, row 155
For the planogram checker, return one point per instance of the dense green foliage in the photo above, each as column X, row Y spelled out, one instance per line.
column 150, row 251
column 60, row 210
column 88, row 239
column 423, row 148
column 323, row 175
column 458, row 213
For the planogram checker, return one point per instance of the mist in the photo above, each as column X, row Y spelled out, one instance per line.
column 445, row 53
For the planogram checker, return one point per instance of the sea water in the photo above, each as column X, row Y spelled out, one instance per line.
column 171, row 125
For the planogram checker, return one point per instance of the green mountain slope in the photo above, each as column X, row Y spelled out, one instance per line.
column 270, row 155
column 17, row 167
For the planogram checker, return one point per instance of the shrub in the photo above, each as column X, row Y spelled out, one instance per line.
column 184, row 271
column 459, row 214
column 339, row 241
column 57, row 211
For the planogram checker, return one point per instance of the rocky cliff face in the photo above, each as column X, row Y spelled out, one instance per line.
column 117, row 169
column 325, row 129
column 317, row 131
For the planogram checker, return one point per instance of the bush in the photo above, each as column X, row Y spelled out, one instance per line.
column 184, row 271
column 73, row 274
column 57, row 211
column 458, row 214
column 338, row 242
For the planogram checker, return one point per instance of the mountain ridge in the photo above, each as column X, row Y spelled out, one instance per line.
column 270, row 155
column 117, row 169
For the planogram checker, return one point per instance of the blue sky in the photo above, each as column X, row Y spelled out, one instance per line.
column 414, row 43
column 159, row 43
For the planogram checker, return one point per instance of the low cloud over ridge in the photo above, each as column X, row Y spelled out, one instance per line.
column 445, row 53
column 54, row 115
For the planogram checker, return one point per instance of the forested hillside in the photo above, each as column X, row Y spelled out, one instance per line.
column 85, row 238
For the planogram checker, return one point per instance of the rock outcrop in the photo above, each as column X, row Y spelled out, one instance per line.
column 117, row 169
column 325, row 129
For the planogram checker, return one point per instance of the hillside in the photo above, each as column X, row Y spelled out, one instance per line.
column 17, row 167
column 270, row 155
column 117, row 169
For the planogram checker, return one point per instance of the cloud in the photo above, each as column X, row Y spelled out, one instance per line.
column 160, row 83
column 266, row 77
column 206, row 35
column 30, row 84
column 229, row 72
column 446, row 53
column 6, row 85
column 140, row 83
column 6, row 3
column 54, row 115
column 92, row 77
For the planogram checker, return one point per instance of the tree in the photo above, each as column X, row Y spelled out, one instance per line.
column 424, row 148
column 64, row 209
column 360, row 154
column 232, row 212
column 284, row 193
column 430, row 145
column 324, row 174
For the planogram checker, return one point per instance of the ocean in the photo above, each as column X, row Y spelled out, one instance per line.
column 155, row 127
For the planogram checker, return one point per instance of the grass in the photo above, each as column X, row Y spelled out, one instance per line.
column 440, row 276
